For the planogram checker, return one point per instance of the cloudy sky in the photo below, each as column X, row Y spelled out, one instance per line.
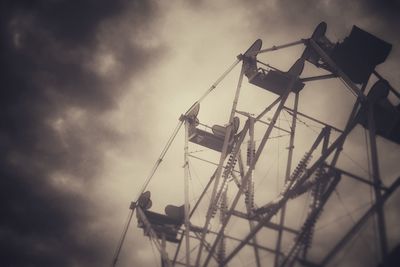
column 91, row 91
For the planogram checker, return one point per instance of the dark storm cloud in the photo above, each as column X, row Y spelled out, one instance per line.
column 45, row 48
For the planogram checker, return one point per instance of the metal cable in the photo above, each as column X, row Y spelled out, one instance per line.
column 342, row 217
column 122, row 239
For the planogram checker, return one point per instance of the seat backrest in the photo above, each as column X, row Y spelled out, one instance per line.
column 250, row 58
column 175, row 212
column 220, row 131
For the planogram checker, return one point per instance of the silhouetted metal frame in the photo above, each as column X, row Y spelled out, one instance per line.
column 336, row 146
column 250, row 169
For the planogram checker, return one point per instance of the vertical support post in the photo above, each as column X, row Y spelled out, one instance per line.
column 287, row 176
column 163, row 247
column 377, row 181
column 220, row 164
column 186, row 189
column 221, row 250
column 213, row 86
column 250, row 189
column 191, row 214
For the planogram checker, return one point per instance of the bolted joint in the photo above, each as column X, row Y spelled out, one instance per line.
column 183, row 117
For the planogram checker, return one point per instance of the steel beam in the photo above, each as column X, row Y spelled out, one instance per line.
column 269, row 225
column 287, row 177
column 377, row 180
column 337, row 70
column 318, row 78
column 356, row 177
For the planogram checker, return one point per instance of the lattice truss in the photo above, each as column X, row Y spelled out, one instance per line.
column 239, row 220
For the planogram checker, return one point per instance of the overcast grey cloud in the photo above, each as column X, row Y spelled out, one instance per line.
column 54, row 86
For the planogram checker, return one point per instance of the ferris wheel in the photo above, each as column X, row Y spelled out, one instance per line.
column 240, row 216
